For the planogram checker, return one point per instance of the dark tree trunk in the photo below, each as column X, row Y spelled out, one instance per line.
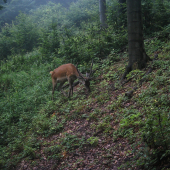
column 102, row 11
column 137, row 55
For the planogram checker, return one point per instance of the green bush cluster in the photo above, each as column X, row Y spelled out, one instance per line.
column 76, row 38
column 75, row 33
column 20, row 37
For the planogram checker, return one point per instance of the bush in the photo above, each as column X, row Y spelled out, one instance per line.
column 50, row 41
column 24, row 34
column 21, row 37
column 156, row 15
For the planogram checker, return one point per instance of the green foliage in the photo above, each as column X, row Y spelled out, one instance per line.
column 153, row 120
column 50, row 42
column 136, row 75
column 93, row 141
column 47, row 14
column 55, row 150
column 25, row 86
column 79, row 12
column 13, row 7
column 60, row 35
column 24, row 34
column 155, row 15
column 42, row 125
column 132, row 118
column 5, row 42
column 57, row 36
column 20, row 37
column 94, row 43
column 117, row 19
column 70, row 142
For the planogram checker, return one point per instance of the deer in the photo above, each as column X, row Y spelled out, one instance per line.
column 69, row 72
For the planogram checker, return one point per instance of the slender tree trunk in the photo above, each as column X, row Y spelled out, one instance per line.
column 102, row 11
column 137, row 55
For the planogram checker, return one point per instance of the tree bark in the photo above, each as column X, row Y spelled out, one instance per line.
column 102, row 13
column 137, row 55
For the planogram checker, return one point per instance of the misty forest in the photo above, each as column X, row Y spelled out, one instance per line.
column 110, row 109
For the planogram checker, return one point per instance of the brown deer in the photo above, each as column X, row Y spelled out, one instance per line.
column 68, row 72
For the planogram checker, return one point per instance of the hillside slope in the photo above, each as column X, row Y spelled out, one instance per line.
column 105, row 129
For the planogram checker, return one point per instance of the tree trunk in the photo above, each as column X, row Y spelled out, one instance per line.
column 137, row 55
column 102, row 13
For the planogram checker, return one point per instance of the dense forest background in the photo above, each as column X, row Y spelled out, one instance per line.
column 13, row 8
column 37, row 37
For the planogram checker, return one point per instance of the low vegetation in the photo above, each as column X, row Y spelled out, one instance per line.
column 104, row 129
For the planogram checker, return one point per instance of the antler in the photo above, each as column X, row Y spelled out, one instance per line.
column 80, row 74
column 91, row 72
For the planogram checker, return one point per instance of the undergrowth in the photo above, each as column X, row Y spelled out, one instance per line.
column 30, row 117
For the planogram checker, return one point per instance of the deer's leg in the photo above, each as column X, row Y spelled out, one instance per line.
column 60, row 88
column 54, row 85
column 70, row 87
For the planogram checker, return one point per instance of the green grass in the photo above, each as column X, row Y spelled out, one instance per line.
column 29, row 118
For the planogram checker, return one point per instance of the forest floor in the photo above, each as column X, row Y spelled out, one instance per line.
column 87, row 137
column 107, row 154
